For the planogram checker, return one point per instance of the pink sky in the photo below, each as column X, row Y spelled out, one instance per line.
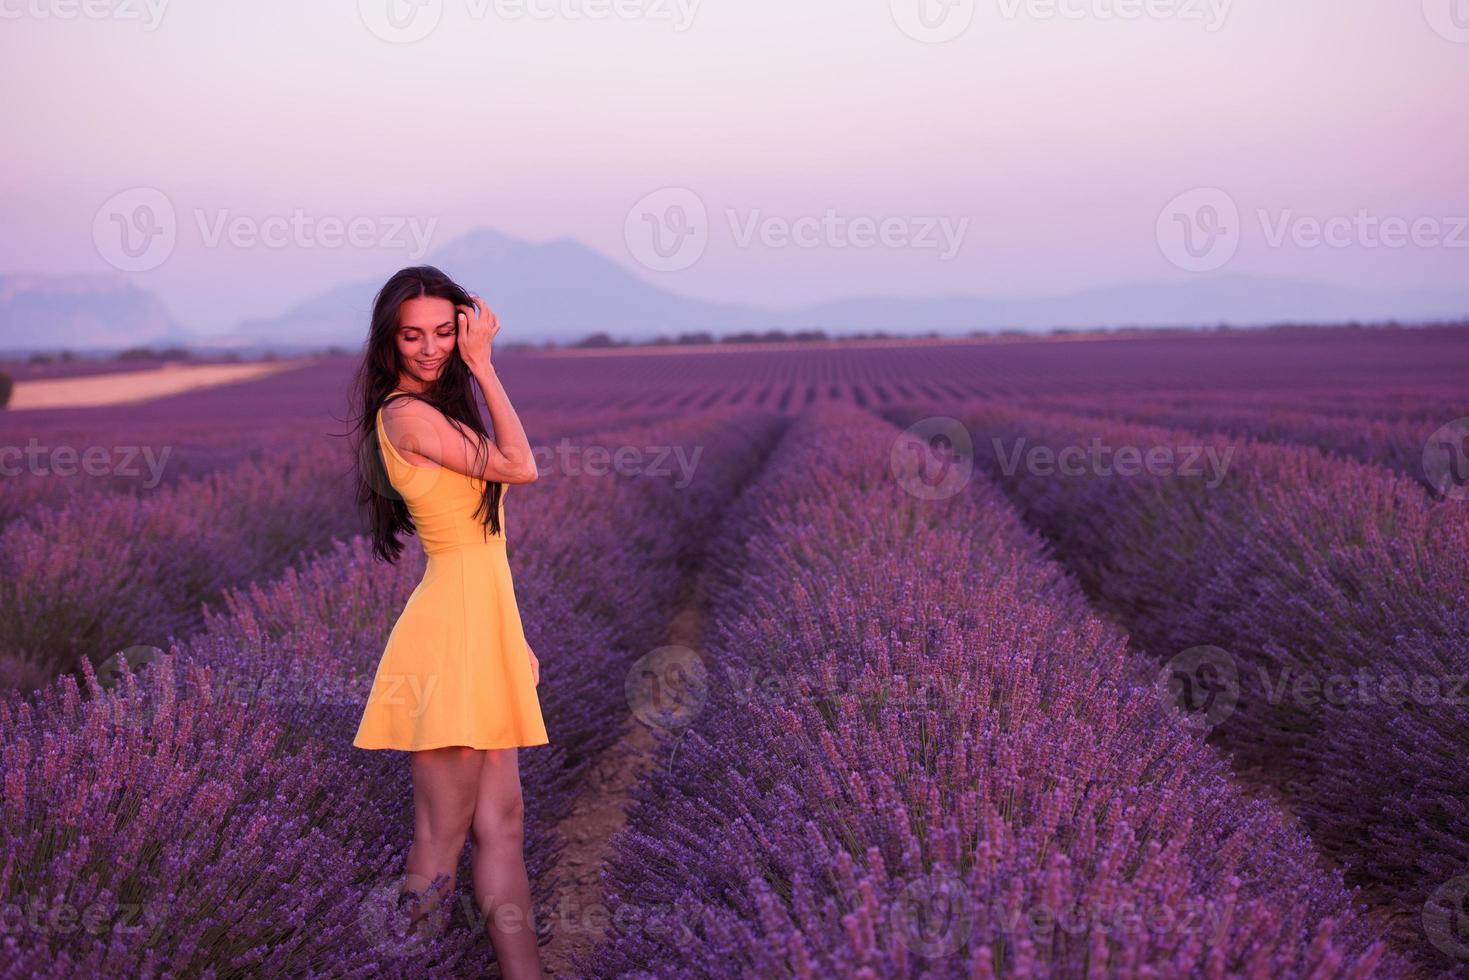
column 1056, row 131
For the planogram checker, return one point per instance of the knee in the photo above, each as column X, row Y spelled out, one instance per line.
column 447, row 834
column 499, row 822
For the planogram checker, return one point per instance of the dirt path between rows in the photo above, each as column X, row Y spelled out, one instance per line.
column 123, row 387
column 579, row 907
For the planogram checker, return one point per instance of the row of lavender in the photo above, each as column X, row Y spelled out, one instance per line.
column 1321, row 604
column 914, row 751
column 105, row 569
column 211, row 815
column 50, row 458
column 1422, row 433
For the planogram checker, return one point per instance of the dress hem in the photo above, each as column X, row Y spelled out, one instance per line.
column 445, row 745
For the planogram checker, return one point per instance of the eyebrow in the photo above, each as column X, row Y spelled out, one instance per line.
column 411, row 326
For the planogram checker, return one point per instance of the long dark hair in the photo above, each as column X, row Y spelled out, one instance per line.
column 451, row 393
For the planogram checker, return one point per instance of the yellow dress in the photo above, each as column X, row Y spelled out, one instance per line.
column 456, row 668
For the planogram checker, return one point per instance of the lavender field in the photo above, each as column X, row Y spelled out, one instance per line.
column 1101, row 657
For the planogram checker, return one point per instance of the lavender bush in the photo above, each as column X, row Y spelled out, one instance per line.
column 1329, row 584
column 919, row 754
column 275, row 849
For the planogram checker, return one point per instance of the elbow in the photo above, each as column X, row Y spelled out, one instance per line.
column 526, row 473
column 517, row 468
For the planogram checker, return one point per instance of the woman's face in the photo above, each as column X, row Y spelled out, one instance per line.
column 427, row 336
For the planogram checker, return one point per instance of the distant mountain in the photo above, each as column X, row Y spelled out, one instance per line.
column 561, row 290
column 1206, row 301
column 81, row 313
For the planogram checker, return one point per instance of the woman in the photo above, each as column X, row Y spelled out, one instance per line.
column 456, row 685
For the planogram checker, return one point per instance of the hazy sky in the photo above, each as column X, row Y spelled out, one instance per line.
column 1041, row 147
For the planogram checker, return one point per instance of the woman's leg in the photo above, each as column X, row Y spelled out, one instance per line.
column 501, row 888
column 445, row 785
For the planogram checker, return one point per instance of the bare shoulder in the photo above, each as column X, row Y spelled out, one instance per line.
column 411, row 410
